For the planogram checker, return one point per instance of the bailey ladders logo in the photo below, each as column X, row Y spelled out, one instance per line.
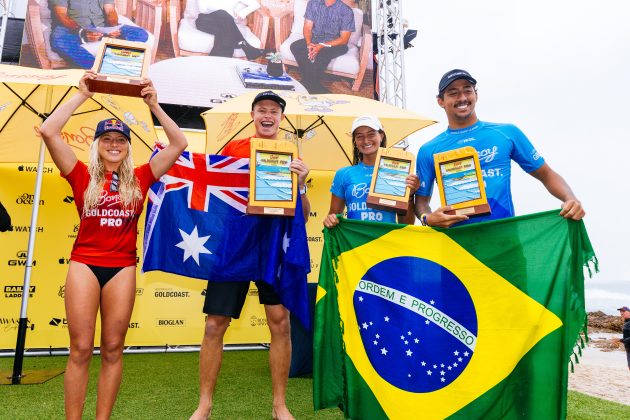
column 16, row 291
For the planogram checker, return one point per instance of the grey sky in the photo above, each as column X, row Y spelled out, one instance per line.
column 559, row 70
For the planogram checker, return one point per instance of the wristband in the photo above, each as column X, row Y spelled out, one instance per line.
column 303, row 189
column 325, row 45
column 423, row 219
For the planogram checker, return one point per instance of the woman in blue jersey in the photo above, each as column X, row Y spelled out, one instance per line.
column 352, row 183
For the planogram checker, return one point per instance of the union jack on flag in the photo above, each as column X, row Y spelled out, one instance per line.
column 196, row 226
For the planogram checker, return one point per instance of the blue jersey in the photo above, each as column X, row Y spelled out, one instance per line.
column 497, row 145
column 352, row 184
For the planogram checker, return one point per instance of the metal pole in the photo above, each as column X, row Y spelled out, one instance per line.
column 22, row 325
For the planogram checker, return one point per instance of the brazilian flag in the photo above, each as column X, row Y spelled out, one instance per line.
column 474, row 322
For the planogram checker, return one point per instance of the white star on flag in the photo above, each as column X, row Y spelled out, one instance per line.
column 286, row 242
column 193, row 245
column 384, row 351
column 386, row 319
column 409, row 352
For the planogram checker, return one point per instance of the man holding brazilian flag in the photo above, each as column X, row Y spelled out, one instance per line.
column 474, row 322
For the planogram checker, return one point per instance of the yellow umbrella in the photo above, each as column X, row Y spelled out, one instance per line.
column 27, row 96
column 319, row 123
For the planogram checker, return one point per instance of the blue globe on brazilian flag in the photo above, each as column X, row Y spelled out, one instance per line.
column 478, row 321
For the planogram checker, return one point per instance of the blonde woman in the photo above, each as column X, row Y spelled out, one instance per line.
column 109, row 195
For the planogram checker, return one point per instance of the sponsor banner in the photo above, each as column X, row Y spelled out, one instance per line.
column 168, row 308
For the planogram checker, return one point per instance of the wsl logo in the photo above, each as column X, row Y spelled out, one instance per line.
column 419, row 333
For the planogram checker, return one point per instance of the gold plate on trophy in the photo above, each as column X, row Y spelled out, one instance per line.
column 272, row 185
column 120, row 67
column 460, row 182
column 388, row 190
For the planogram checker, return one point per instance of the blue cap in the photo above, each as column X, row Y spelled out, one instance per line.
column 623, row 309
column 113, row 124
column 455, row 74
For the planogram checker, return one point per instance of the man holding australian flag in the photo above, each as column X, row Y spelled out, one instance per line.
column 204, row 233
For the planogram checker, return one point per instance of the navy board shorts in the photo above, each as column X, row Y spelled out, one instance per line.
column 228, row 298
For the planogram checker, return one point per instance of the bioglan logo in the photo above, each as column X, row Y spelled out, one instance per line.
column 20, row 260
column 31, row 168
column 170, row 293
column 170, row 322
column 8, row 324
column 16, row 291
column 59, row 322
column 28, row 199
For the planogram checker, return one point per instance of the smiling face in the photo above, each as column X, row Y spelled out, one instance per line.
column 112, row 148
column 367, row 141
column 459, row 100
column 267, row 115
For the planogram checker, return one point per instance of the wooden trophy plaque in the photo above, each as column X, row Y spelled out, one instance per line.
column 120, row 67
column 459, row 179
column 272, row 186
column 388, row 190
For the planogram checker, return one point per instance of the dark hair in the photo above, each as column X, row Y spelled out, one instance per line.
column 358, row 156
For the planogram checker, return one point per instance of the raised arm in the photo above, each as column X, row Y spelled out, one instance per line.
column 61, row 153
column 558, row 187
column 177, row 142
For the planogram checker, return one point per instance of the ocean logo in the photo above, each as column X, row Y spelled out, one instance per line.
column 419, row 335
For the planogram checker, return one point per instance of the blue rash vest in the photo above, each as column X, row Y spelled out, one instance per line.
column 352, row 184
column 497, row 145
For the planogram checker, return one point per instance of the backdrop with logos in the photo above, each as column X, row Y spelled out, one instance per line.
column 168, row 307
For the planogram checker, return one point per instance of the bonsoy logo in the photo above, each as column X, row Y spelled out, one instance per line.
column 19, row 260
column 171, row 322
column 63, row 260
column 28, row 199
column 16, row 291
column 62, row 291
column 69, row 199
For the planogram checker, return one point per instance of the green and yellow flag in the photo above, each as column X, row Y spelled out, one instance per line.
column 472, row 322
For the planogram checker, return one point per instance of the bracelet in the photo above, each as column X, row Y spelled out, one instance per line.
column 303, row 189
column 423, row 219
column 325, row 45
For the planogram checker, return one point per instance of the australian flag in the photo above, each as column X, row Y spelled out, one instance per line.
column 196, row 226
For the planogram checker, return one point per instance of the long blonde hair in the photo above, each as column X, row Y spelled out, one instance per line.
column 128, row 186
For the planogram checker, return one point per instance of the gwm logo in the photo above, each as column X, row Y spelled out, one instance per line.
column 20, row 260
